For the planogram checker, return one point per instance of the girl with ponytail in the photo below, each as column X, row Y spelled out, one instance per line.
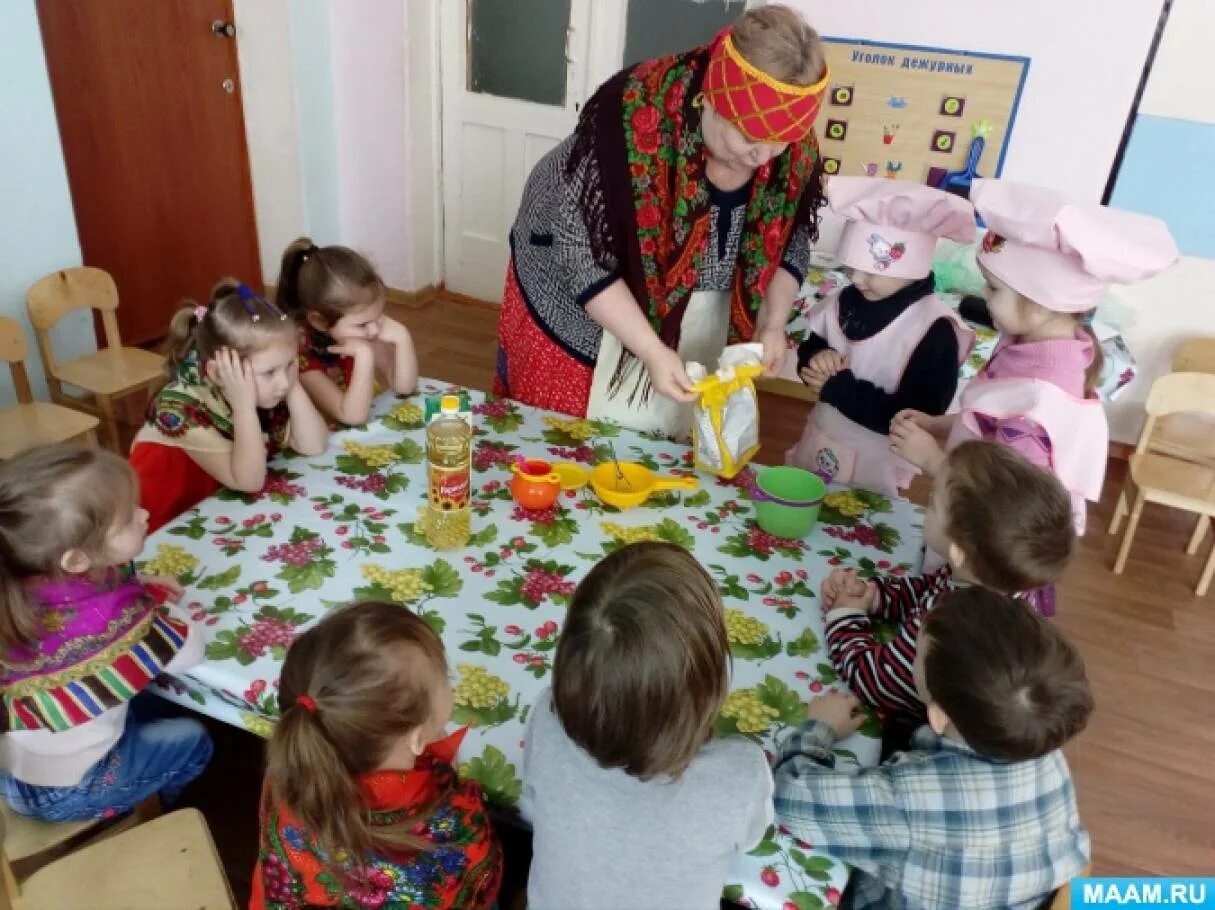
column 349, row 347
column 232, row 400
column 362, row 806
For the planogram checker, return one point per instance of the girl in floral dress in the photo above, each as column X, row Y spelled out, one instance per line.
column 82, row 637
column 233, row 400
column 348, row 346
column 362, row 807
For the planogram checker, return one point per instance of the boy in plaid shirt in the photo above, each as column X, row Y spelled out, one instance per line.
column 980, row 813
column 1004, row 524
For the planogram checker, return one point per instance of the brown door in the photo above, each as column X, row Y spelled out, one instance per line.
column 149, row 108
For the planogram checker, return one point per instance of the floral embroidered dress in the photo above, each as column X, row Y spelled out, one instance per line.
column 315, row 357
column 189, row 414
column 626, row 197
column 462, row 870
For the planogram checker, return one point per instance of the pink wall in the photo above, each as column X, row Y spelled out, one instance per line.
column 371, row 110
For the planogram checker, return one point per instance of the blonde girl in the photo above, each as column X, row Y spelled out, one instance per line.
column 362, row 807
column 82, row 637
column 627, row 792
column 232, row 400
column 347, row 343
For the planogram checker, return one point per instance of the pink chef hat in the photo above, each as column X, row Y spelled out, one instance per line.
column 1061, row 254
column 893, row 225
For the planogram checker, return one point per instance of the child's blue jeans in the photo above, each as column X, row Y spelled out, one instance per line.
column 156, row 754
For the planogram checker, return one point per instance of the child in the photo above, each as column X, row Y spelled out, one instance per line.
column 981, row 812
column 1047, row 262
column 1003, row 524
column 82, row 638
column 631, row 801
column 887, row 342
column 233, row 400
column 362, row 806
column 347, row 340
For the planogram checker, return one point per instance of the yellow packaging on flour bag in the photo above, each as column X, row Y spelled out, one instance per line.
column 725, row 416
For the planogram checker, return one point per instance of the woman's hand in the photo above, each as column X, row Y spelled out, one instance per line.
column 667, row 373
column 776, row 346
column 234, row 376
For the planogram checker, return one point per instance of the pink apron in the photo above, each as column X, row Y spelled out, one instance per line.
column 836, row 447
column 1076, row 427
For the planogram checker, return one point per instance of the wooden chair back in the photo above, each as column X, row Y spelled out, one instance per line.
column 54, row 296
column 1191, row 393
column 1195, row 355
column 13, row 351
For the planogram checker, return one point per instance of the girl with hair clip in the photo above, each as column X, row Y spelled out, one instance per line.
column 81, row 638
column 348, row 345
column 233, row 399
column 362, row 807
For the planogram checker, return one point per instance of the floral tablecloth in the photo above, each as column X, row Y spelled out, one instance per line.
column 258, row 569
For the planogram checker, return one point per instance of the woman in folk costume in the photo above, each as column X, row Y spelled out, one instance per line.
column 885, row 343
column 1047, row 262
column 676, row 218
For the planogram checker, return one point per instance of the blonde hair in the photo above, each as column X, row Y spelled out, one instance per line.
column 643, row 664
column 234, row 317
column 777, row 40
column 54, row 499
column 370, row 669
column 318, row 279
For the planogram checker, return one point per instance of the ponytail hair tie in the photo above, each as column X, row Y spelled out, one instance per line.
column 200, row 312
column 307, row 702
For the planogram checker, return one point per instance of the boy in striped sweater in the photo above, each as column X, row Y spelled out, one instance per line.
column 1004, row 524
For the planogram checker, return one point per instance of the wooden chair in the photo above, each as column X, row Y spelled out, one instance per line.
column 1168, row 479
column 108, row 374
column 31, row 843
column 30, row 423
column 166, row 864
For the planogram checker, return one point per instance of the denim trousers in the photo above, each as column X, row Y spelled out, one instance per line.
column 157, row 753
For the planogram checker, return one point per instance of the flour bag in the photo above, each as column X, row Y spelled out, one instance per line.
column 725, row 416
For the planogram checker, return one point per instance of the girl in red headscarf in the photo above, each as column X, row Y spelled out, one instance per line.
column 678, row 217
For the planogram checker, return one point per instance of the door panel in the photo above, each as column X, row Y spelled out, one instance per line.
column 491, row 141
column 154, row 140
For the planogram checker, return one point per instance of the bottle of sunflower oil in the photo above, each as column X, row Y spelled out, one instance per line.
column 449, row 451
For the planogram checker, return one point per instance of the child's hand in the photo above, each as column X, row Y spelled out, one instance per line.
column 917, row 445
column 393, row 332
column 912, row 416
column 840, row 712
column 234, row 376
column 167, row 583
column 828, row 363
column 841, row 582
column 862, row 597
column 358, row 348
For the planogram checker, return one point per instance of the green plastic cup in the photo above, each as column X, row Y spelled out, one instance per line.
column 787, row 500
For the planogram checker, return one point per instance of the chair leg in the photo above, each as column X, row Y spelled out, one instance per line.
column 113, row 443
column 1129, row 535
column 1204, row 583
column 1120, row 508
column 1200, row 533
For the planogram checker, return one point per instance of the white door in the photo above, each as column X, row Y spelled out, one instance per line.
column 514, row 78
column 515, row 75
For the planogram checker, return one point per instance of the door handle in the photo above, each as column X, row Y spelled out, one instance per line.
column 222, row 29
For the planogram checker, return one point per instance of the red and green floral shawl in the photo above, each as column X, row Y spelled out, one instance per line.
column 646, row 202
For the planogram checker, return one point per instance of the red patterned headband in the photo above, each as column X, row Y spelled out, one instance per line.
column 764, row 109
